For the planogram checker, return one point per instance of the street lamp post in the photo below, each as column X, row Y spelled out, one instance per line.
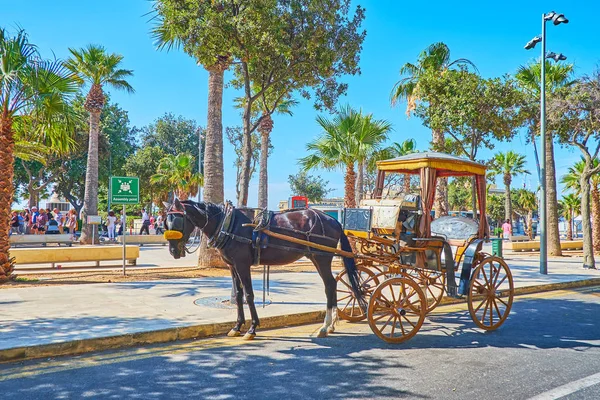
column 556, row 19
column 200, row 161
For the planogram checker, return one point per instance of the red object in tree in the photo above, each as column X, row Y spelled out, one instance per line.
column 298, row 202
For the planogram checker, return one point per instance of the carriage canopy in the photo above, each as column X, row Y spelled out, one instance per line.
column 430, row 166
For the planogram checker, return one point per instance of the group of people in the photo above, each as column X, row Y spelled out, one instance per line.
column 43, row 221
column 147, row 221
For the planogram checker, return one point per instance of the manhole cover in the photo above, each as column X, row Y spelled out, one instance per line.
column 224, row 302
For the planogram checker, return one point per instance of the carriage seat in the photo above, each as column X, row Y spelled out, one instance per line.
column 457, row 232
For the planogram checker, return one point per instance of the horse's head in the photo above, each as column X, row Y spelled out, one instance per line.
column 179, row 228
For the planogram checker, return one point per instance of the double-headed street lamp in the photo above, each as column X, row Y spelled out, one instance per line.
column 557, row 19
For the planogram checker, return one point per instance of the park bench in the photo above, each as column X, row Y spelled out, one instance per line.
column 519, row 238
column 43, row 240
column 534, row 245
column 143, row 239
column 74, row 254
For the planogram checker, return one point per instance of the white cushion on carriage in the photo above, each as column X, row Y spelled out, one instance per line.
column 385, row 212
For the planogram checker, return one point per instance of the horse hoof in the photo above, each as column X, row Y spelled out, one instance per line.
column 249, row 336
column 234, row 333
column 322, row 333
column 331, row 329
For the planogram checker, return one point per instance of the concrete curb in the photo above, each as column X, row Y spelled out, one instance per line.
column 207, row 330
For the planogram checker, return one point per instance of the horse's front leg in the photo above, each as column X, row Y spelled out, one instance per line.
column 239, row 299
column 246, row 279
column 323, row 265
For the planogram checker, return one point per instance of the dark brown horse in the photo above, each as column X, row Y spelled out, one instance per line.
column 236, row 246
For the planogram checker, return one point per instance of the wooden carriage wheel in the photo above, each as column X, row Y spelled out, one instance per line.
column 397, row 309
column 433, row 285
column 348, row 307
column 491, row 293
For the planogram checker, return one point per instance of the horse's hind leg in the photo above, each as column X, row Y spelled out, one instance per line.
column 323, row 264
column 239, row 293
column 246, row 279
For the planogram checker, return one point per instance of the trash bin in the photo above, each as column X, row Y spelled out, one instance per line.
column 497, row 247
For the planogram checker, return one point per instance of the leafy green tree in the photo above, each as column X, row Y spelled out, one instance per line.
column 235, row 136
column 509, row 165
column 347, row 138
column 144, row 164
column 575, row 117
column 572, row 181
column 459, row 194
column 558, row 76
column 314, row 188
column 496, row 208
column 570, row 206
column 525, row 201
column 432, row 63
column 94, row 66
column 474, row 112
column 176, row 173
column 175, row 135
column 29, row 85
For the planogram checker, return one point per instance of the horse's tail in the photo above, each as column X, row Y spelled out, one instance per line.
column 352, row 272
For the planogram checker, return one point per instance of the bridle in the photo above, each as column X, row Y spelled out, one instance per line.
column 178, row 217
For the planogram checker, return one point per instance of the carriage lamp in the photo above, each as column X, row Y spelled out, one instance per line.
column 556, row 19
column 556, row 57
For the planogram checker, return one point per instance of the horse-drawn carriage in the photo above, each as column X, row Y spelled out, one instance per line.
column 407, row 262
column 403, row 260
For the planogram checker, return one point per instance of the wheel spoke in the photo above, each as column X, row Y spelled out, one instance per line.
column 500, row 283
column 353, row 307
column 502, row 301
column 401, row 327
column 346, row 306
column 393, row 295
column 485, row 310
column 390, row 311
column 480, row 304
column 345, row 297
column 386, row 323
column 409, row 321
column 497, row 309
column 393, row 327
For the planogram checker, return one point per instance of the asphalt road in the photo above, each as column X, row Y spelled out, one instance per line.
column 549, row 348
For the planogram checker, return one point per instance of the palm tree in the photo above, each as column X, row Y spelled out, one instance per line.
column 436, row 60
column 509, row 165
column 572, row 181
column 265, row 128
column 345, row 140
column 29, row 86
column 94, row 66
column 166, row 38
column 409, row 146
column 175, row 172
column 557, row 77
column 528, row 203
column 570, row 205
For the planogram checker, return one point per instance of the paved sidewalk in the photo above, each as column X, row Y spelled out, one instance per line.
column 39, row 316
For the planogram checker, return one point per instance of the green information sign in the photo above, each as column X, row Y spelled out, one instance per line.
column 124, row 190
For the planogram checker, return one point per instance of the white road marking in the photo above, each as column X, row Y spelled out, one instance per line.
column 569, row 388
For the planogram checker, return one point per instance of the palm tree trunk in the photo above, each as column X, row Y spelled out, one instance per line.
column 441, row 193
column 530, row 224
column 263, row 180
column 588, row 251
column 7, row 158
column 360, row 181
column 596, row 218
column 507, row 202
column 349, row 186
column 90, row 197
column 213, row 158
column 551, row 200
column 570, row 226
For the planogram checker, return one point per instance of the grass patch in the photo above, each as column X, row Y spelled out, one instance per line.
column 21, row 279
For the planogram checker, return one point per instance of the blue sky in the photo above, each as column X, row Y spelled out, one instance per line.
column 491, row 34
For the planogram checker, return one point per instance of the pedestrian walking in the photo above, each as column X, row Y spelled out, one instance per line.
column 27, row 221
column 33, row 221
column 60, row 219
column 110, row 225
column 145, row 223
column 506, row 230
column 14, row 224
column 22, row 219
column 41, row 221
column 160, row 222
column 72, row 224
